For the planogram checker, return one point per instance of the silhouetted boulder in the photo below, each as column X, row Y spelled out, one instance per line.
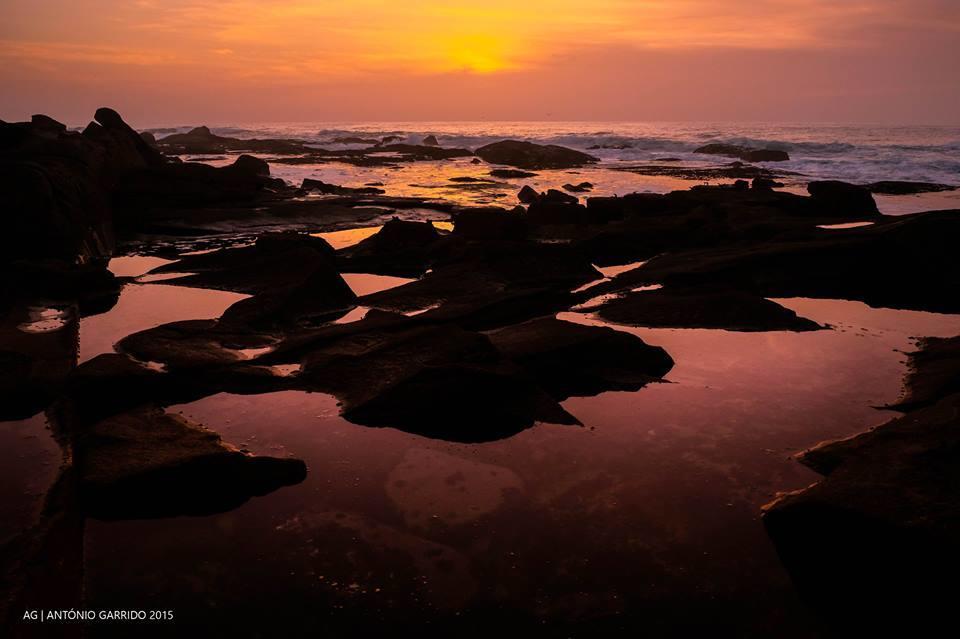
column 582, row 187
column 400, row 248
column 527, row 155
column 837, row 198
column 431, row 140
column 572, row 359
column 527, row 194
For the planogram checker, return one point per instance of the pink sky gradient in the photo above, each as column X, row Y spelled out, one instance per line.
column 191, row 61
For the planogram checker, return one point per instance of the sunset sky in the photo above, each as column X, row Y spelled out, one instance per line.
column 188, row 61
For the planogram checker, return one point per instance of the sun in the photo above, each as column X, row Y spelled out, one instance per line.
column 476, row 54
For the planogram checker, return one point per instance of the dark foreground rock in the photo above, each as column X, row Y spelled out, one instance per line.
column 293, row 277
column 527, row 155
column 439, row 381
column 400, row 248
column 841, row 198
column 148, row 463
column 572, row 359
column 898, row 262
column 684, row 308
column 746, row 154
column 871, row 544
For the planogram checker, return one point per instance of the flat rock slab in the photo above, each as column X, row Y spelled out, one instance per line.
column 148, row 463
column 729, row 310
column 572, row 359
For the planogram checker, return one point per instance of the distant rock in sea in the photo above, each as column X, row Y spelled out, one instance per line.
column 527, row 155
column 746, row 154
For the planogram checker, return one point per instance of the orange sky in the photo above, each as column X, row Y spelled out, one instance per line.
column 218, row 61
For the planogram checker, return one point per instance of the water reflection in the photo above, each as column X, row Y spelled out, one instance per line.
column 650, row 512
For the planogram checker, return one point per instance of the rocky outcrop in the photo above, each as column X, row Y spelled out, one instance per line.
column 201, row 141
column 840, row 198
column 400, row 248
column 490, row 224
column 527, row 155
column 730, row 310
column 570, row 359
column 293, row 279
column 747, row 154
column 430, row 140
column 148, row 463
column 582, row 187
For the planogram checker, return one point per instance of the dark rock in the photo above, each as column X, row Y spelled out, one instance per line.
column 744, row 153
column 471, row 180
column 729, row 310
column 310, row 184
column 578, row 188
column 460, row 403
column 437, row 381
column 511, row 173
column 149, row 138
column 251, row 165
column 729, row 171
column 400, row 248
column 489, row 224
column 46, row 125
column 527, row 194
column 414, row 152
column 572, row 359
column 293, row 278
column 879, row 532
column 765, row 184
column 148, row 463
column 899, row 262
column 202, row 141
column 476, row 161
column 840, row 198
column 899, row 187
column 431, row 140
column 934, row 373
column 527, row 155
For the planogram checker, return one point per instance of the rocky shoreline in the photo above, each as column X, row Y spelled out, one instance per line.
column 469, row 351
